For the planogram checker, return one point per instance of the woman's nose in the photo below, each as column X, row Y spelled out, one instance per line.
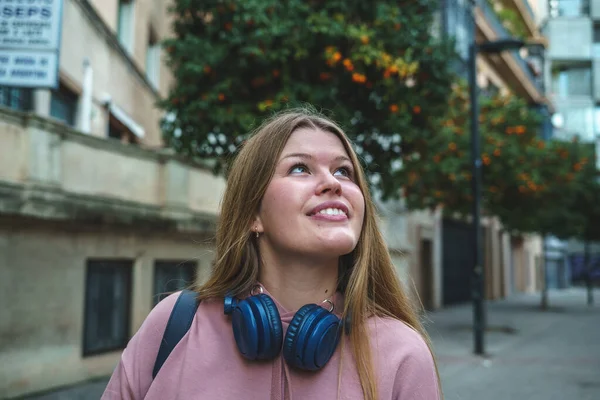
column 329, row 183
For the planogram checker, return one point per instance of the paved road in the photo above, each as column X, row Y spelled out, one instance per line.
column 87, row 391
column 531, row 354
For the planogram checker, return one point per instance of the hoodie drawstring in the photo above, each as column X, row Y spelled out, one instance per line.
column 287, row 382
column 281, row 384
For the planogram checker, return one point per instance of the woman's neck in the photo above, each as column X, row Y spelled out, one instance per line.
column 294, row 282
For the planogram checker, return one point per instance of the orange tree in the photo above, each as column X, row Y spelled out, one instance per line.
column 375, row 66
column 530, row 184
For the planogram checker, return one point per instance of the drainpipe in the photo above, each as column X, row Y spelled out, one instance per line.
column 86, row 97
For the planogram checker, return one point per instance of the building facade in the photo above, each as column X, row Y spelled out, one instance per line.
column 573, row 30
column 98, row 220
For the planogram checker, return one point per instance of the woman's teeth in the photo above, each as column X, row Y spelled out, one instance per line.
column 332, row 211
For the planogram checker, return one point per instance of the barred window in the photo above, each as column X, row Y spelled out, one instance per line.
column 107, row 305
column 16, row 98
column 63, row 105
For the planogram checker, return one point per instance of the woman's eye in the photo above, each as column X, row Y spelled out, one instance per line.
column 343, row 172
column 299, row 169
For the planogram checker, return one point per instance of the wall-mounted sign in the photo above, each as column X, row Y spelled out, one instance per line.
column 30, row 42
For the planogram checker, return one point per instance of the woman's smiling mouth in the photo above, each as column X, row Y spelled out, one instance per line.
column 330, row 211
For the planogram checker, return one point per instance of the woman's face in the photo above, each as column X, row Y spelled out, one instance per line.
column 312, row 207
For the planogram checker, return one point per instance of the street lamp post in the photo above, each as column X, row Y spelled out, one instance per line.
column 477, row 282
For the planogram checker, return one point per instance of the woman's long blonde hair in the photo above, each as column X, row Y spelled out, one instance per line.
column 366, row 276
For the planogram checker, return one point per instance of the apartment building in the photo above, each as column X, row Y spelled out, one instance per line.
column 573, row 29
column 96, row 219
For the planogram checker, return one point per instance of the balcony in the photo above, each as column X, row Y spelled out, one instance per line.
column 49, row 171
column 523, row 9
column 512, row 67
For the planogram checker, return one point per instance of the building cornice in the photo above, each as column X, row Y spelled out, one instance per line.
column 52, row 204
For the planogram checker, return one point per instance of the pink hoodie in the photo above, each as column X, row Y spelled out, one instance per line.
column 206, row 364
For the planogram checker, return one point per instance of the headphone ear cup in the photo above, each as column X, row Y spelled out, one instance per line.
column 311, row 338
column 257, row 328
column 275, row 329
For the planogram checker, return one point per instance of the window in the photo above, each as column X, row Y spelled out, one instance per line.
column 458, row 25
column 15, row 98
column 597, row 33
column 107, row 305
column 153, row 59
column 125, row 24
column 596, row 46
column 578, row 120
column 171, row 276
column 118, row 130
column 63, row 105
column 569, row 8
column 572, row 81
column 121, row 126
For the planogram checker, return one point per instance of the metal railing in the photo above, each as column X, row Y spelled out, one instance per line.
column 529, row 9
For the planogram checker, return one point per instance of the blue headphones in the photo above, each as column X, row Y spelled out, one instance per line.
column 310, row 341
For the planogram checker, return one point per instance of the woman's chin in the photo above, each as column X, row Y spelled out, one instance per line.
column 337, row 247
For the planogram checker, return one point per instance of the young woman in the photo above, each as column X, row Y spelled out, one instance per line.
column 315, row 310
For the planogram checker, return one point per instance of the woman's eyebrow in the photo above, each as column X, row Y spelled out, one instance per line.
column 297, row 155
column 308, row 156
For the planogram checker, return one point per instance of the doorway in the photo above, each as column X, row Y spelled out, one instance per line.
column 426, row 262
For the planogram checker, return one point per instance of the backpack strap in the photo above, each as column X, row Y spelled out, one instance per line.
column 179, row 323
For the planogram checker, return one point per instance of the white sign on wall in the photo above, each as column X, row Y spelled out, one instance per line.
column 30, row 42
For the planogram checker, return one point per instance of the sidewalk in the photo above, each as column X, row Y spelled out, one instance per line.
column 531, row 354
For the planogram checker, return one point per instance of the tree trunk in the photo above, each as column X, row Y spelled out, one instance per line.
column 588, row 267
column 544, row 271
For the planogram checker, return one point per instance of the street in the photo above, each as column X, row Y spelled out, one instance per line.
column 531, row 354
